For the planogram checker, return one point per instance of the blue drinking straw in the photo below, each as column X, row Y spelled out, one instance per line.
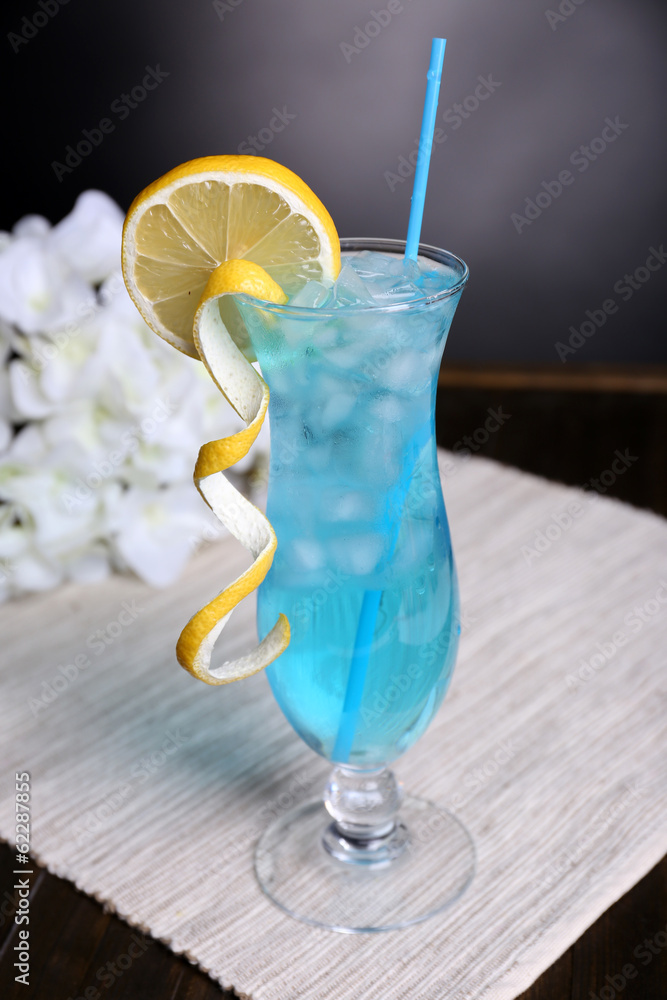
column 371, row 600
column 425, row 146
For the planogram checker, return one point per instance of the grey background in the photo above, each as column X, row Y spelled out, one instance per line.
column 356, row 115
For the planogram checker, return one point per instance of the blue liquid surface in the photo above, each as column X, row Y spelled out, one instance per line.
column 364, row 568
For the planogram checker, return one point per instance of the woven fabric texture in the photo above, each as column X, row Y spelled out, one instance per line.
column 149, row 789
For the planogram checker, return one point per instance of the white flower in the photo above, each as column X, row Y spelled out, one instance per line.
column 25, row 390
column 156, row 531
column 15, row 545
column 8, row 413
column 35, row 479
column 53, row 371
column 99, row 477
column 88, row 239
column 5, row 426
column 38, row 290
column 31, row 225
column 98, row 357
column 88, row 565
column 31, row 572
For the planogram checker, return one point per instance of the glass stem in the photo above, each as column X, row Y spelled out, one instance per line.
column 364, row 808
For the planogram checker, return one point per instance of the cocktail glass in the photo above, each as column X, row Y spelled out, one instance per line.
column 364, row 572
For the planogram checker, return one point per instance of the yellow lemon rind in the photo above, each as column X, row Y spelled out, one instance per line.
column 249, row 395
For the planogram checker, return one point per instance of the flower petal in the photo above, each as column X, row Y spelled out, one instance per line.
column 89, row 237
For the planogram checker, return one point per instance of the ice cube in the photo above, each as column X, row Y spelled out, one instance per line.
column 431, row 282
column 358, row 555
column 326, row 334
column 336, row 409
column 417, row 542
column 350, row 357
column 408, row 371
column 369, row 264
column 280, row 385
column 389, row 409
column 295, row 332
column 391, row 278
column 350, row 290
column 437, row 275
column 379, row 285
column 402, row 290
column 313, row 295
column 319, row 457
column 411, row 270
column 349, row 505
column 308, row 553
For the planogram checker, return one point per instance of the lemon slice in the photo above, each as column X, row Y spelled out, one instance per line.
column 206, row 231
column 214, row 209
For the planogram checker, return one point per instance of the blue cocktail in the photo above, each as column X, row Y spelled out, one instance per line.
column 364, row 568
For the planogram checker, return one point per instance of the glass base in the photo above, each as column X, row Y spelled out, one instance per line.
column 425, row 865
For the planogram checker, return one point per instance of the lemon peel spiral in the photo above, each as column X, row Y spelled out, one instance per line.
column 215, row 227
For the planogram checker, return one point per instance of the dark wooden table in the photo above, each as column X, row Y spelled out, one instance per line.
column 562, row 423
